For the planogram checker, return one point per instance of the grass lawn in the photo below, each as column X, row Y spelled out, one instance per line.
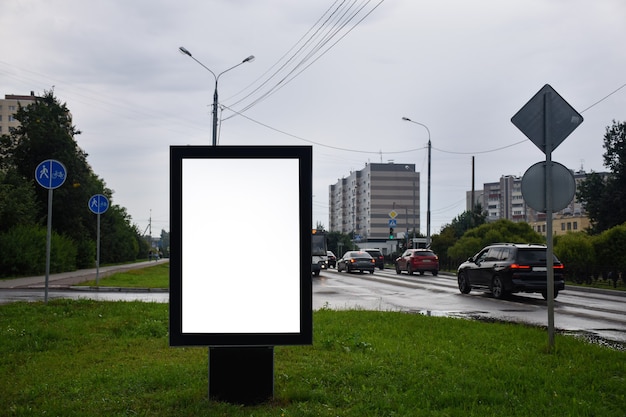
column 157, row 276
column 91, row 358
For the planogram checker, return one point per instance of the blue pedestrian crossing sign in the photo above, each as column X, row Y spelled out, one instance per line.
column 50, row 174
column 393, row 222
column 98, row 203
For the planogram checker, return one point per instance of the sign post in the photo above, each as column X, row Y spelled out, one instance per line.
column 49, row 174
column 98, row 204
column 547, row 119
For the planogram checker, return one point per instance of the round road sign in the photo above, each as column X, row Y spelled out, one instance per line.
column 98, row 203
column 534, row 186
column 50, row 174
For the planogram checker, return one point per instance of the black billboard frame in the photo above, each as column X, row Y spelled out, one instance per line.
column 179, row 154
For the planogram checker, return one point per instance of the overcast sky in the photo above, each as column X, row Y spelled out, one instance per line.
column 336, row 75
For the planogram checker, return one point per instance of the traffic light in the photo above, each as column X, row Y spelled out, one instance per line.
column 391, row 235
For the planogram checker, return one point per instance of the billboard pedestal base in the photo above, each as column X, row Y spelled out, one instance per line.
column 241, row 375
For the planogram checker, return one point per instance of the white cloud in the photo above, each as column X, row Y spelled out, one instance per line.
column 462, row 68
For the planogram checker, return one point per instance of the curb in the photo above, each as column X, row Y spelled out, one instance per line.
column 114, row 289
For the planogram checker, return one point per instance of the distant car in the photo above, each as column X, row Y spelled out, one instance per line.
column 418, row 260
column 505, row 268
column 356, row 261
column 332, row 259
column 378, row 257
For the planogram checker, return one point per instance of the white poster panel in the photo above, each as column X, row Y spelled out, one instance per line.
column 240, row 252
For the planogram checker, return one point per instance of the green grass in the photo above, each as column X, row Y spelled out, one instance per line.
column 89, row 358
column 151, row 277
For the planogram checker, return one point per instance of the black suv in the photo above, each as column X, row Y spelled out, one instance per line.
column 505, row 268
column 378, row 257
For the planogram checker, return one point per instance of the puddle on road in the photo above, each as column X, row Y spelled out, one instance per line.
column 455, row 314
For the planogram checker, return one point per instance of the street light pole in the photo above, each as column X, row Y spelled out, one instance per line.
column 428, row 199
column 183, row 50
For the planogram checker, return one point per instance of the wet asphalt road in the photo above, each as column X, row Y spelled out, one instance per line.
column 588, row 312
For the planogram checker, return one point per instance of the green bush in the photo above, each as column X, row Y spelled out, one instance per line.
column 499, row 231
column 577, row 253
column 23, row 250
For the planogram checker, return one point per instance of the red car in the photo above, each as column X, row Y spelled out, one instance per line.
column 418, row 260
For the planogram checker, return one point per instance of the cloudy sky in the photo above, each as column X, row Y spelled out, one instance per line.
column 337, row 75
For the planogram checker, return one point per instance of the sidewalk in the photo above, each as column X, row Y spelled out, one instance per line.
column 68, row 279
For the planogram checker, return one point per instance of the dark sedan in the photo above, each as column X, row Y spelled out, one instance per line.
column 356, row 261
column 332, row 259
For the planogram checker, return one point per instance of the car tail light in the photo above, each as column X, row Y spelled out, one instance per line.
column 373, row 260
column 558, row 266
column 518, row 266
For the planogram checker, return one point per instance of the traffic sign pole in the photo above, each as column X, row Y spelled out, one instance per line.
column 49, row 174
column 48, row 245
column 547, row 119
column 98, row 204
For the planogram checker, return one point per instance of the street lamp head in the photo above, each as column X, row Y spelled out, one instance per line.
column 248, row 59
column 407, row 119
column 184, row 51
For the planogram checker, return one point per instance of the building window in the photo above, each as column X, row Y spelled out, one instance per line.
column 575, row 225
column 543, row 228
column 569, row 225
column 562, row 226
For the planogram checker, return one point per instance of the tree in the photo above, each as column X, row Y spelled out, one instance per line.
column 165, row 243
column 468, row 220
column 46, row 132
column 610, row 248
column 17, row 201
column 605, row 198
column 440, row 244
column 339, row 243
column 452, row 232
column 499, row 231
column 577, row 253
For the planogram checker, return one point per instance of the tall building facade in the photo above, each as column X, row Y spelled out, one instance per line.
column 504, row 200
column 362, row 202
column 8, row 108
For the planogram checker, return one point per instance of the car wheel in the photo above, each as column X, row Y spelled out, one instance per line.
column 372, row 271
column 464, row 285
column 409, row 269
column 421, row 272
column 398, row 269
column 544, row 294
column 435, row 272
column 497, row 289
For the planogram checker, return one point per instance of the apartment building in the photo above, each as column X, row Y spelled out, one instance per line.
column 504, row 200
column 361, row 203
column 8, row 108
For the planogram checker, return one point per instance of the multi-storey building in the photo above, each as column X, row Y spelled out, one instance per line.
column 504, row 200
column 362, row 202
column 8, row 108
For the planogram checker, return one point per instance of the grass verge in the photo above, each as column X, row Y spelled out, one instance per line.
column 78, row 358
column 156, row 276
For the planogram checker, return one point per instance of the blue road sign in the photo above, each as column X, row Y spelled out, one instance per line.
column 50, row 174
column 393, row 222
column 98, row 203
